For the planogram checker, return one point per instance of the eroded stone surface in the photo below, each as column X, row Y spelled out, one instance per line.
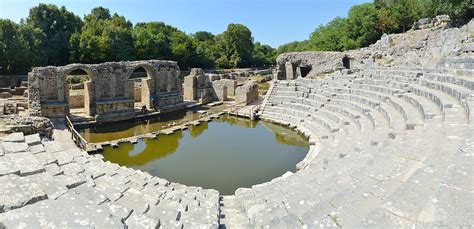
column 390, row 147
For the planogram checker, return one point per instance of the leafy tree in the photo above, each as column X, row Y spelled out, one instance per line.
column 19, row 47
column 263, row 55
column 183, row 50
column 386, row 21
column 56, row 25
column 405, row 12
column 203, row 36
column 458, row 10
column 151, row 41
column 100, row 13
column 13, row 50
column 363, row 20
column 332, row 37
column 237, row 45
column 53, row 35
column 103, row 38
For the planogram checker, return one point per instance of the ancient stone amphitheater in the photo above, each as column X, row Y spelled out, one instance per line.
column 392, row 146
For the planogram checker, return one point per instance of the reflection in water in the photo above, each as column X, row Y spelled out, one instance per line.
column 285, row 135
column 198, row 130
column 145, row 150
column 115, row 131
column 225, row 154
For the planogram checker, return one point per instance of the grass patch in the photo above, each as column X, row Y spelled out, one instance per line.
column 263, row 88
column 75, row 79
column 335, row 219
column 77, row 91
column 260, row 78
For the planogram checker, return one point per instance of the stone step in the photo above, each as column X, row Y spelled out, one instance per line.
column 232, row 214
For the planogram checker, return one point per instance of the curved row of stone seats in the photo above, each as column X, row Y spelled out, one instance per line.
column 445, row 102
column 46, row 185
column 426, row 108
column 459, row 87
column 410, row 180
column 411, row 116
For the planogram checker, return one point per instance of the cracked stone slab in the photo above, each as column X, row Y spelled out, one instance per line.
column 132, row 199
column 38, row 148
column 14, row 147
column 15, row 137
column 28, row 164
column 49, row 185
column 8, row 166
column 137, row 220
column 52, row 146
column 52, row 214
column 16, row 192
column 118, row 210
column 70, row 181
column 33, row 139
column 53, row 169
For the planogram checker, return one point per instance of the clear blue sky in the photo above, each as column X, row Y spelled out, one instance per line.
column 273, row 22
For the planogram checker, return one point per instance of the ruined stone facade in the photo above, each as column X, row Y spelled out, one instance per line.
column 247, row 93
column 426, row 45
column 108, row 94
column 230, row 84
column 198, row 87
column 221, row 91
column 312, row 64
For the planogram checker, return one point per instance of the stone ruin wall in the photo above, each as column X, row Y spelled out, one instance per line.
column 108, row 94
column 312, row 64
column 230, row 84
column 425, row 46
column 204, row 88
column 247, row 93
column 220, row 91
column 76, row 100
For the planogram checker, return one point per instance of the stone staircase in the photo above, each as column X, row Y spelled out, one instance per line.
column 232, row 214
column 390, row 148
column 48, row 184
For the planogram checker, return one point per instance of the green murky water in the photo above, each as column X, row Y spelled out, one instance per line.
column 224, row 154
column 115, row 131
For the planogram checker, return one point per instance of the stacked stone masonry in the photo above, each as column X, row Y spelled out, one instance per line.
column 45, row 185
column 108, row 93
column 247, row 93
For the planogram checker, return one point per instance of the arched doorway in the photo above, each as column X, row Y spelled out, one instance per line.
column 137, row 78
column 305, row 70
column 346, row 62
column 77, row 95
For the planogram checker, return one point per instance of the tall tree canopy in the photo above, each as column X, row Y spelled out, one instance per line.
column 237, row 46
column 365, row 23
column 56, row 26
column 103, row 38
column 53, row 35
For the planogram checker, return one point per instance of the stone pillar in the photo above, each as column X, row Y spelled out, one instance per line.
column 223, row 94
column 89, row 98
column 190, row 88
column 289, row 71
column 63, row 91
column 147, row 90
column 298, row 72
column 171, row 81
column 163, row 80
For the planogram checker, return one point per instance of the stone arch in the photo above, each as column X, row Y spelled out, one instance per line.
column 147, row 83
column 346, row 62
column 150, row 71
column 89, row 87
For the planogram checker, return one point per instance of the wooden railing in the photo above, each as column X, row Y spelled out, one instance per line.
column 76, row 137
